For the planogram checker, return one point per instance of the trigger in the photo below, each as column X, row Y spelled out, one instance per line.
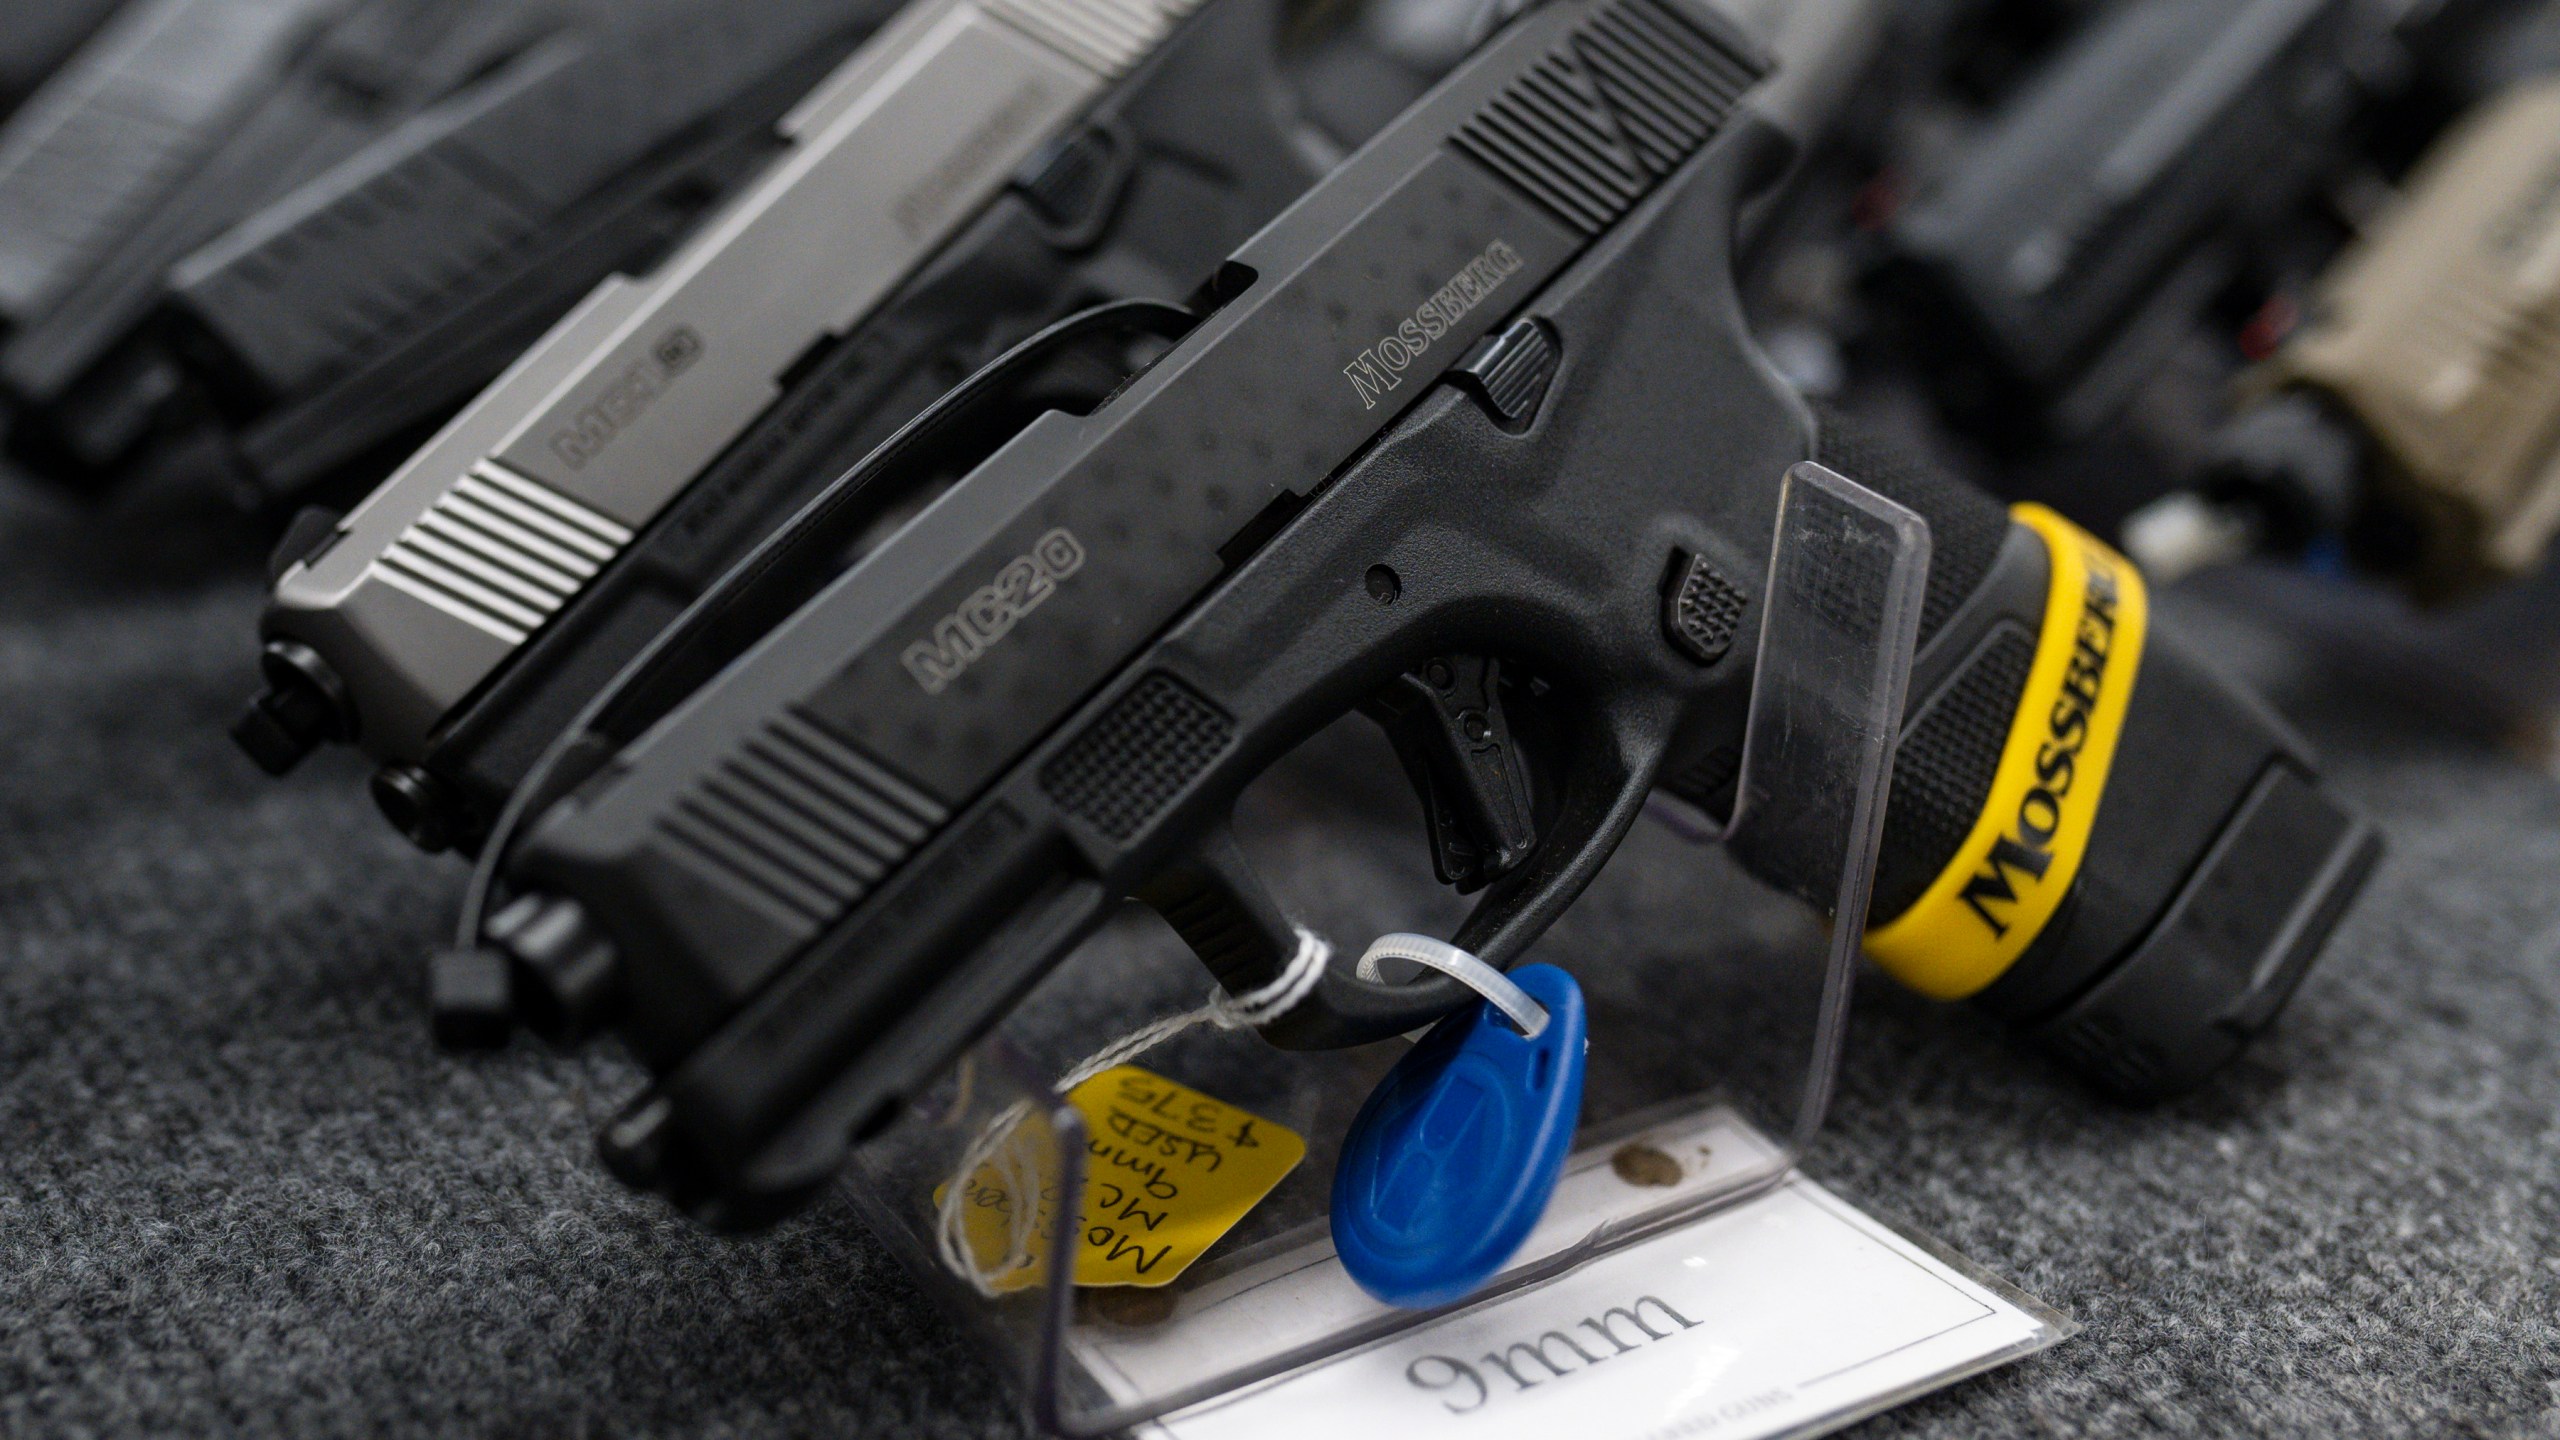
column 1447, row 724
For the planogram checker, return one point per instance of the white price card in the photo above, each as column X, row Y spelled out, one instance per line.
column 1790, row 1314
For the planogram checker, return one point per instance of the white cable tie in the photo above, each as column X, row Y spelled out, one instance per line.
column 1462, row 967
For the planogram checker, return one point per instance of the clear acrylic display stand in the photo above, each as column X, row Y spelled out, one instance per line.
column 1719, row 1023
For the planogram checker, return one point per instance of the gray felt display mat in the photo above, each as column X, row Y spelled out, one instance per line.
column 241, row 1192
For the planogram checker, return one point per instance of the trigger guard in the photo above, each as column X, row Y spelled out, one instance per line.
column 1221, row 910
column 1603, row 800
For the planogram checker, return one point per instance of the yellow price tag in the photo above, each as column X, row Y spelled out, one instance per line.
column 1168, row 1171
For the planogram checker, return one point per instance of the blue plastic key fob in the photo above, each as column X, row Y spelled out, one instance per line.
column 1453, row 1158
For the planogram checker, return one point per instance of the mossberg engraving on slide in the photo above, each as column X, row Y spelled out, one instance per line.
column 1381, row 367
column 925, row 201
column 1022, row 586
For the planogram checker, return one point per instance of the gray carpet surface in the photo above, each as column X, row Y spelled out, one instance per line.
column 241, row 1193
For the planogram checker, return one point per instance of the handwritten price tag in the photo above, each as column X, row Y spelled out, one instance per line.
column 1168, row 1171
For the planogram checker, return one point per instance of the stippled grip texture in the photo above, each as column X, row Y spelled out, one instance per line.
column 1948, row 759
column 1966, row 526
column 2213, row 869
column 1945, row 768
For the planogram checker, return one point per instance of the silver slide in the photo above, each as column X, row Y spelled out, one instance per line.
column 464, row 553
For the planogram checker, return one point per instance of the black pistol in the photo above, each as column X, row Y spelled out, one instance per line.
column 329, row 337
column 191, row 114
column 425, row 185
column 1473, row 438
column 102, row 144
column 2110, row 202
column 1237, row 111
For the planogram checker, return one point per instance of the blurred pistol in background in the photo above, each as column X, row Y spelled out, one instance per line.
column 332, row 334
column 2414, row 414
column 2102, row 212
column 417, row 186
column 123, row 125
